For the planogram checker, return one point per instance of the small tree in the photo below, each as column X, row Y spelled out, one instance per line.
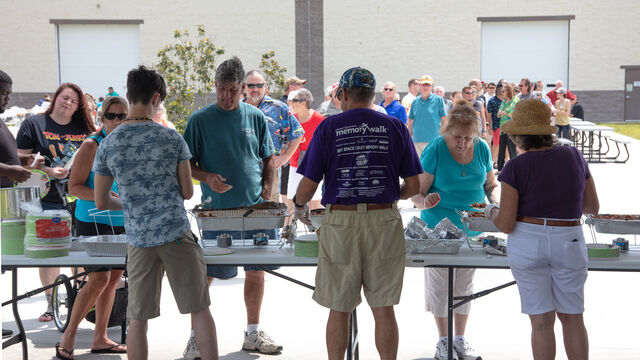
column 188, row 68
column 273, row 73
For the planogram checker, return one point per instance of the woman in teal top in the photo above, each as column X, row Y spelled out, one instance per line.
column 458, row 166
column 101, row 287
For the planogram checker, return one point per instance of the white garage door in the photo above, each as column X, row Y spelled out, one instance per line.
column 98, row 56
column 538, row 50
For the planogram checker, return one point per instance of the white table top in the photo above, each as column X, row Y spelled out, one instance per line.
column 272, row 255
column 591, row 127
column 574, row 121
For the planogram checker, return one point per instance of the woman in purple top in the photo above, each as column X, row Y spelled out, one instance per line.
column 545, row 191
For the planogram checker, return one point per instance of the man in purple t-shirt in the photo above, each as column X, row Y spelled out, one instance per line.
column 360, row 154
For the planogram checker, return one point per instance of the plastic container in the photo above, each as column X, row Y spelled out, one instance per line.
column 48, row 234
column 12, row 235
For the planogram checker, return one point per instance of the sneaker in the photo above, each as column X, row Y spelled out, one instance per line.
column 191, row 352
column 442, row 351
column 465, row 351
column 259, row 340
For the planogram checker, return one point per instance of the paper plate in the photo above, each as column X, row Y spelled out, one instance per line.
column 215, row 251
column 38, row 179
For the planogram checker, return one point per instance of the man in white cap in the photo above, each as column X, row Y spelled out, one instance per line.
column 428, row 113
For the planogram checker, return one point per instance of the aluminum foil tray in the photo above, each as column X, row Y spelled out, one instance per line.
column 261, row 216
column 105, row 245
column 614, row 226
column 430, row 246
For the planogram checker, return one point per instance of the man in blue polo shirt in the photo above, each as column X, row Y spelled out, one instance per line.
column 428, row 113
column 390, row 104
column 283, row 125
column 361, row 154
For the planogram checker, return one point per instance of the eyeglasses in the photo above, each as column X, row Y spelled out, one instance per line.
column 253, row 86
column 295, row 100
column 492, row 87
column 387, row 89
column 113, row 116
column 470, row 92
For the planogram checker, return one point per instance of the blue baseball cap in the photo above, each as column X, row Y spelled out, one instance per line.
column 356, row 77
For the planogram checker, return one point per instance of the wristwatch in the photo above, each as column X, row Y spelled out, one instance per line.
column 296, row 204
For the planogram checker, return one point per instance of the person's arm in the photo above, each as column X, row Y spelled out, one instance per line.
column 81, row 170
column 215, row 181
column 491, row 188
column 305, row 191
column 410, row 187
column 505, row 218
column 484, row 118
column 15, row 172
column 443, row 122
column 410, row 126
column 288, row 153
column 590, row 202
column 102, row 193
column 268, row 175
column 184, row 179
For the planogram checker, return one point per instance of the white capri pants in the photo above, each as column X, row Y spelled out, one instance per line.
column 549, row 264
column 294, row 181
column 436, row 284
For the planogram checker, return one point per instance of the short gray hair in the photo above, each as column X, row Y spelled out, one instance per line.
column 230, row 72
column 253, row 72
column 304, row 95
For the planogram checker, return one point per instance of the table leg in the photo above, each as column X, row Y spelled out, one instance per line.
column 450, row 316
column 353, row 347
column 21, row 336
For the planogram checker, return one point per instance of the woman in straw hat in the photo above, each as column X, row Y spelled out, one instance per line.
column 458, row 167
column 545, row 191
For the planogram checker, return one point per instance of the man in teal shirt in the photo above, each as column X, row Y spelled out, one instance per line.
column 111, row 92
column 233, row 158
column 428, row 113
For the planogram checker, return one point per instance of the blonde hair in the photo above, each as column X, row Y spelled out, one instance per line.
column 111, row 100
column 461, row 115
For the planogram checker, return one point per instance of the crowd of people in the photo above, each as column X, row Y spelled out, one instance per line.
column 444, row 150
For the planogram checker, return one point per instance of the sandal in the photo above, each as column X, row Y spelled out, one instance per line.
column 60, row 355
column 46, row 317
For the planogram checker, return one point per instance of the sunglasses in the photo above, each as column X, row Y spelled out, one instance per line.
column 253, row 86
column 112, row 116
column 470, row 92
column 295, row 100
column 387, row 89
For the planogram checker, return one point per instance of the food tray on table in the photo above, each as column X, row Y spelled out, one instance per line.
column 615, row 224
column 476, row 221
column 433, row 246
column 105, row 245
column 268, row 215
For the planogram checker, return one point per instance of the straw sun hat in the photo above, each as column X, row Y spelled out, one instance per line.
column 530, row 117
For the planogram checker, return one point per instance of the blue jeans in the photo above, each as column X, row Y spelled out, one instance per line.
column 563, row 131
column 229, row 271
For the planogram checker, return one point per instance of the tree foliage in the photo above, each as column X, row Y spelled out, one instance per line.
column 188, row 67
column 274, row 74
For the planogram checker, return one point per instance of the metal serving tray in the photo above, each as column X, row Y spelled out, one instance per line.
column 105, row 245
column 610, row 226
column 242, row 218
column 481, row 224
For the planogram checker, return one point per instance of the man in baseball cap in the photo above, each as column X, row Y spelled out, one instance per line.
column 360, row 154
column 291, row 84
column 428, row 113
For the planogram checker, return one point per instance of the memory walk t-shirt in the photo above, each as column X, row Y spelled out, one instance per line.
column 232, row 144
column 361, row 154
column 143, row 159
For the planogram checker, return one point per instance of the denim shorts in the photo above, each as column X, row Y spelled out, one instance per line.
column 229, row 271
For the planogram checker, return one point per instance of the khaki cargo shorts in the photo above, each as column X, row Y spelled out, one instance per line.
column 360, row 249
column 186, row 271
